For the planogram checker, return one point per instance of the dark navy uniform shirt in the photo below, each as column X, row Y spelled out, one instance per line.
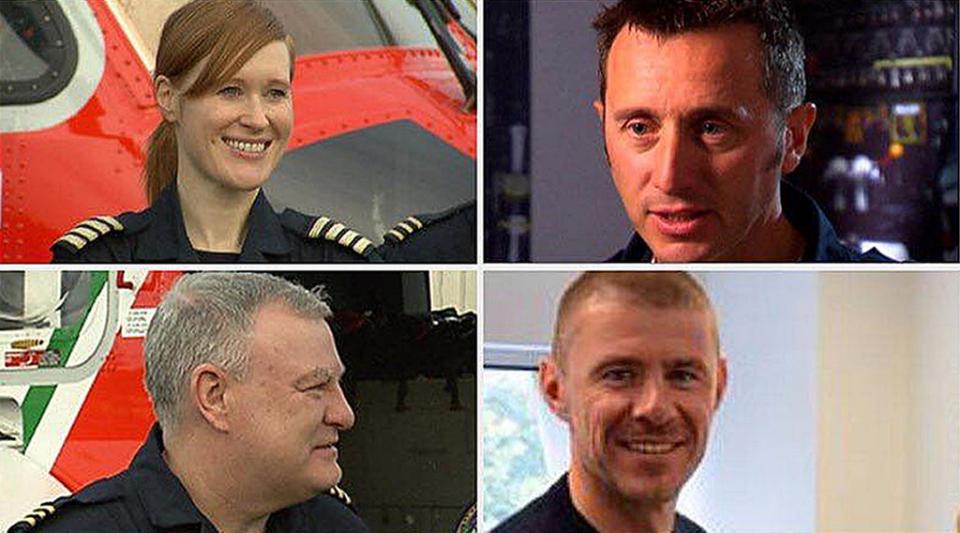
column 446, row 237
column 822, row 244
column 554, row 512
column 147, row 497
column 158, row 235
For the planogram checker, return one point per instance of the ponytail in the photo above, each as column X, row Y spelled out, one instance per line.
column 161, row 168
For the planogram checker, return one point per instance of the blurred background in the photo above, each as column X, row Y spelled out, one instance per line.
column 842, row 411
column 882, row 162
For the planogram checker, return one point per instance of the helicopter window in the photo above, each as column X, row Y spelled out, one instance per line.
column 378, row 176
column 468, row 14
column 39, row 51
column 41, row 314
column 42, row 299
column 318, row 27
column 329, row 26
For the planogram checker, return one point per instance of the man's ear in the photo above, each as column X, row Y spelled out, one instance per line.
column 208, row 388
column 598, row 107
column 167, row 98
column 721, row 379
column 552, row 388
column 799, row 122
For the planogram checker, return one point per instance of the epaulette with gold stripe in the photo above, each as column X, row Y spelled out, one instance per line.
column 29, row 522
column 468, row 522
column 88, row 231
column 328, row 229
column 342, row 496
column 404, row 229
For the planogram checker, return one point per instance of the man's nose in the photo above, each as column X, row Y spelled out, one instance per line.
column 650, row 402
column 339, row 414
column 255, row 114
column 675, row 161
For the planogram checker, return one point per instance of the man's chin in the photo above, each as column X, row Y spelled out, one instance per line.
column 650, row 491
column 682, row 252
column 322, row 479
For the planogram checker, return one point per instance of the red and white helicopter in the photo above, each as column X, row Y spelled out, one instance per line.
column 384, row 97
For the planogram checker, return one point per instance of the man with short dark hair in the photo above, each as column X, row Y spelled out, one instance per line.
column 703, row 112
column 244, row 377
column 636, row 373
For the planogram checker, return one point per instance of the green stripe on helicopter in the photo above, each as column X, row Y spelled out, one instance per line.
column 63, row 340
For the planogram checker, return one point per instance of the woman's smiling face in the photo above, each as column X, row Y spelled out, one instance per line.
column 234, row 134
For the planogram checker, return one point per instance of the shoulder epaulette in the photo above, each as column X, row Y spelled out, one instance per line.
column 404, row 229
column 328, row 229
column 342, row 496
column 41, row 513
column 88, row 231
column 412, row 224
column 468, row 522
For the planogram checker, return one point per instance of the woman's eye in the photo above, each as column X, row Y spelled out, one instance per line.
column 230, row 91
column 278, row 94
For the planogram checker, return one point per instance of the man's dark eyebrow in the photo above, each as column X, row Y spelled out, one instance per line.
column 731, row 113
column 634, row 112
column 615, row 361
column 736, row 114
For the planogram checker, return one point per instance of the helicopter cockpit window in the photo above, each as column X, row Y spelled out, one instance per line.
column 42, row 314
column 330, row 26
column 379, row 176
column 39, row 51
column 317, row 27
column 468, row 13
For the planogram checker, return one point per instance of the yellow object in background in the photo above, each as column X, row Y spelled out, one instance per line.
column 896, row 150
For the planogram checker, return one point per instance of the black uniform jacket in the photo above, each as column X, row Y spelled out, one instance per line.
column 157, row 235
column 446, row 237
column 803, row 214
column 147, row 497
column 554, row 512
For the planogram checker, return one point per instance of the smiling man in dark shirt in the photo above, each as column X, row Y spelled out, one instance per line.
column 637, row 375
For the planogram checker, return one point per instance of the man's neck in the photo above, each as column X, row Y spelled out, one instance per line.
column 772, row 238
column 215, row 217
column 608, row 512
column 215, row 491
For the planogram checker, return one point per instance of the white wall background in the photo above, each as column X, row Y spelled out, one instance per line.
column 843, row 410
column 889, row 376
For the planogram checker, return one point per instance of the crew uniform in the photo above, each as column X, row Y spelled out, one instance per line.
column 822, row 244
column 446, row 237
column 554, row 512
column 158, row 235
column 147, row 497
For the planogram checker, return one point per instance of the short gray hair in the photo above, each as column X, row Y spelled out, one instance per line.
column 208, row 317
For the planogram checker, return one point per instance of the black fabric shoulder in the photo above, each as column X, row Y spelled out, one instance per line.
column 326, row 237
column 97, row 507
column 111, row 517
column 100, row 239
column 329, row 513
column 446, row 237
